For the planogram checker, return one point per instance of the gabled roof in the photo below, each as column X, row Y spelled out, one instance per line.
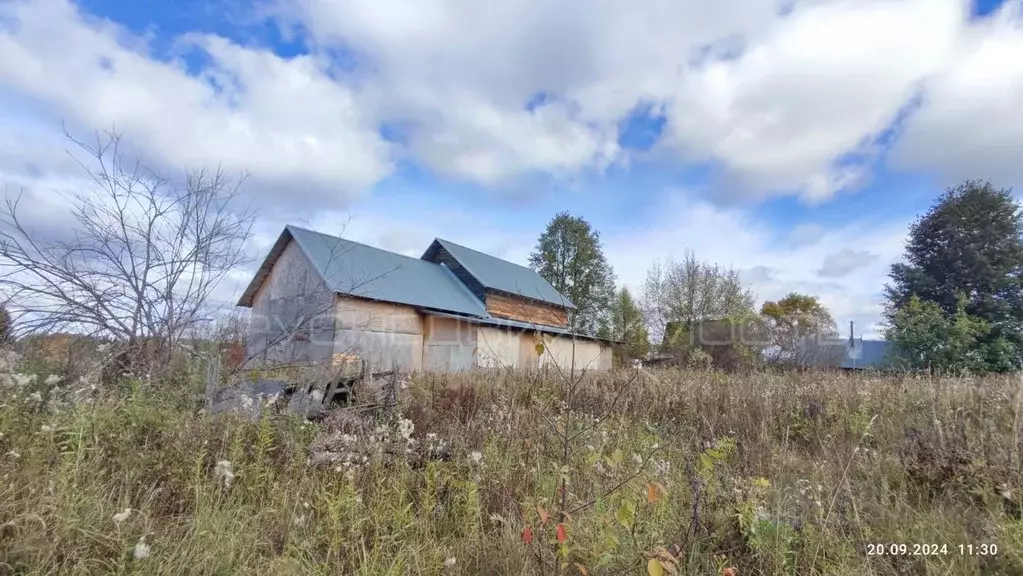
column 497, row 274
column 366, row 272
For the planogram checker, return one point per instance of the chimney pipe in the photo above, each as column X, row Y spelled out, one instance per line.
column 852, row 343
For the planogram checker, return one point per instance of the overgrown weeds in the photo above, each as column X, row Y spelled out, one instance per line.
column 692, row 472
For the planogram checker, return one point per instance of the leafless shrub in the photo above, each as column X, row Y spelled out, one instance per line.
column 143, row 259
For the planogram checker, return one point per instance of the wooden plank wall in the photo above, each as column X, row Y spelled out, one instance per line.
column 513, row 308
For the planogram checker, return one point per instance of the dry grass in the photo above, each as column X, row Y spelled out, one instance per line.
column 765, row 473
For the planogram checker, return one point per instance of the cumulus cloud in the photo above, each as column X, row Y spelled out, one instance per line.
column 783, row 101
column 844, row 262
column 285, row 119
column 789, row 101
column 970, row 122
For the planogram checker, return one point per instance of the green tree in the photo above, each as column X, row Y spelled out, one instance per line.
column 793, row 318
column 928, row 338
column 969, row 244
column 625, row 324
column 570, row 256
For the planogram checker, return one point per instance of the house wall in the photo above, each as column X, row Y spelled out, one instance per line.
column 449, row 344
column 385, row 335
column 503, row 305
column 292, row 320
column 528, row 358
column 497, row 348
column 590, row 355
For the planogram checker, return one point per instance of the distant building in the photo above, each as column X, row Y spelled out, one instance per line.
column 317, row 297
column 847, row 353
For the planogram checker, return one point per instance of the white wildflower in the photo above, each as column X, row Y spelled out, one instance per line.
column 51, row 380
column 476, row 457
column 358, row 498
column 405, row 428
column 246, row 402
column 122, row 516
column 24, row 379
column 450, row 562
column 590, row 447
column 1005, row 491
column 655, row 446
column 46, row 428
column 14, row 454
column 34, row 397
column 637, row 458
column 663, row 467
column 141, row 549
column 298, row 520
column 223, row 470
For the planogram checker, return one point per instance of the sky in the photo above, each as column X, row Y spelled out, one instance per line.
column 793, row 140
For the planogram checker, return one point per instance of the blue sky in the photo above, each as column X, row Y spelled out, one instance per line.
column 792, row 144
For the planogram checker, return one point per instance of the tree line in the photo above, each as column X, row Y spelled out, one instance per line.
column 953, row 304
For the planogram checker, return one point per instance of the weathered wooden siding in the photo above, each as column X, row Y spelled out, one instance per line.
column 385, row 335
column 589, row 355
column 439, row 255
column 449, row 345
column 497, row 348
column 514, row 308
column 292, row 320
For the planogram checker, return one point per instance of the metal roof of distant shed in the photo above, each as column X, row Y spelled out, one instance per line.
column 865, row 354
column 498, row 274
column 363, row 271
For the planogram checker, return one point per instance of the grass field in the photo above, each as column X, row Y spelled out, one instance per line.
column 665, row 472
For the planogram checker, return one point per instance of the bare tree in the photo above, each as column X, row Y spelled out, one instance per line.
column 689, row 291
column 142, row 260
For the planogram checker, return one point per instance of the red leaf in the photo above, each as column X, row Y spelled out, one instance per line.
column 527, row 535
column 562, row 536
column 729, row 572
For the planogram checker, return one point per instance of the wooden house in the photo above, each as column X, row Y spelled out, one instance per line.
column 317, row 296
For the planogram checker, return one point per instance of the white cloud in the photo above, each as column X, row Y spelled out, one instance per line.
column 806, row 90
column 822, row 84
column 844, row 262
column 782, row 103
column 286, row 120
column 970, row 124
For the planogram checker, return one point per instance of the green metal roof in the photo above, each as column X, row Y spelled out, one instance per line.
column 497, row 274
column 367, row 272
